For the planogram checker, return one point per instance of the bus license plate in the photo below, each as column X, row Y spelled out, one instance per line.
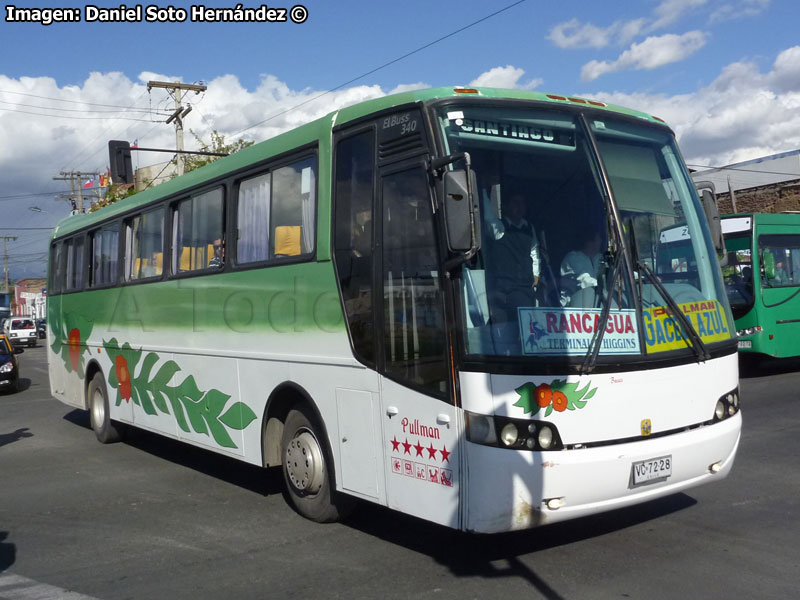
column 746, row 344
column 654, row 468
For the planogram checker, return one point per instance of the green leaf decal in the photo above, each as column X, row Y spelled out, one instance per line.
column 526, row 401
column 238, row 416
column 194, row 410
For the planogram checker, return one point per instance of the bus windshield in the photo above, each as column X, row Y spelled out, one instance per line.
column 544, row 271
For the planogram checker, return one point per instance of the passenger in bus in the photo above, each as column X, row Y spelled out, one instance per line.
column 516, row 253
column 219, row 253
column 152, row 267
column 580, row 269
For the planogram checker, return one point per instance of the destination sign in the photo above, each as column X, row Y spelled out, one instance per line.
column 515, row 131
column 663, row 333
column 549, row 331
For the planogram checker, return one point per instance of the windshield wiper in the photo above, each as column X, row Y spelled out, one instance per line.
column 590, row 359
column 692, row 338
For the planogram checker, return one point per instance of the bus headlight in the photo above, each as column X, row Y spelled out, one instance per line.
column 719, row 410
column 749, row 331
column 727, row 406
column 545, row 437
column 513, row 434
column 509, row 434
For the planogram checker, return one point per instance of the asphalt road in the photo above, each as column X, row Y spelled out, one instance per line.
column 151, row 518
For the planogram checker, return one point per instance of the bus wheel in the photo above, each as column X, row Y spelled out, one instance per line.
column 306, row 469
column 106, row 431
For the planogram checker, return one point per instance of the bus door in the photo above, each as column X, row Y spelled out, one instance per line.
column 420, row 427
column 779, row 254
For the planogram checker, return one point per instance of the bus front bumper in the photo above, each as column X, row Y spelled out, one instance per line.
column 510, row 490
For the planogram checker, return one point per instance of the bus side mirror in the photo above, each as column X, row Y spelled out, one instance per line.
column 119, row 159
column 769, row 265
column 711, row 210
column 462, row 215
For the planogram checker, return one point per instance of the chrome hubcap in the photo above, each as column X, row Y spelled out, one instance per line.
column 98, row 409
column 304, row 463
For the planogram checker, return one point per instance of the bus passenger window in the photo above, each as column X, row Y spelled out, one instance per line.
column 104, row 258
column 253, row 219
column 145, row 245
column 293, row 205
column 197, row 232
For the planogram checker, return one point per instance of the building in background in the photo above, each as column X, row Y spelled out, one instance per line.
column 31, row 297
column 770, row 184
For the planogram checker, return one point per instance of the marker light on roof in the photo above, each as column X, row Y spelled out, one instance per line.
column 465, row 91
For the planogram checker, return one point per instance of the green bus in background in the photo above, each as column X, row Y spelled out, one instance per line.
column 762, row 277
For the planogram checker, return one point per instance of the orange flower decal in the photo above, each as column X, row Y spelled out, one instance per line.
column 560, row 401
column 123, row 376
column 74, row 344
column 544, row 395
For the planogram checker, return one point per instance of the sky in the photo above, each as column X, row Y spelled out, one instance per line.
column 724, row 74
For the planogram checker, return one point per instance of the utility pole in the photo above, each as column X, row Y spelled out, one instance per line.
column 733, row 195
column 72, row 177
column 5, row 239
column 176, row 91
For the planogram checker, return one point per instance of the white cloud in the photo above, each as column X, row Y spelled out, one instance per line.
column 74, row 139
column 652, row 53
column 669, row 11
column 574, row 34
column 743, row 114
column 740, row 9
column 507, row 77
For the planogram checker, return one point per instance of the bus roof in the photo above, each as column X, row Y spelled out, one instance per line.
column 306, row 134
column 782, row 218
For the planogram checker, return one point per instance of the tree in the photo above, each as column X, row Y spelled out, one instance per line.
column 217, row 145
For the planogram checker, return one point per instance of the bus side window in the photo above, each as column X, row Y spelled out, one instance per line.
column 197, row 232
column 104, row 255
column 145, row 245
column 353, row 238
column 252, row 216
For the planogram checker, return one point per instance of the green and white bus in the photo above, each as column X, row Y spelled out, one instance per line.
column 762, row 277
column 448, row 302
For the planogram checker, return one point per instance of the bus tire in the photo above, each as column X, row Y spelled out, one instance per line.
column 107, row 432
column 306, row 466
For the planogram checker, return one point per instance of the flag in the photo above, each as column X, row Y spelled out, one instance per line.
column 102, row 180
column 135, row 144
column 89, row 183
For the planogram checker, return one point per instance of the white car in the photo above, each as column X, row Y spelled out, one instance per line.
column 22, row 330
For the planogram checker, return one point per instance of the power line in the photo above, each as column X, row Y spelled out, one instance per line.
column 383, row 66
column 72, row 101
column 80, row 110
column 86, row 151
column 16, row 196
column 27, row 112
column 740, row 169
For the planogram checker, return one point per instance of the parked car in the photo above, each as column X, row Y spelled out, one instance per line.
column 41, row 328
column 9, row 366
column 22, row 330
